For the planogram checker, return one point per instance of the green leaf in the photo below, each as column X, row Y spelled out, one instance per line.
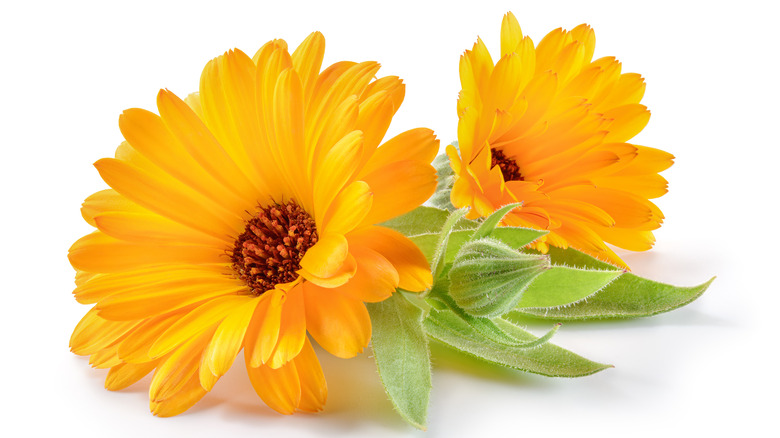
column 491, row 222
column 561, row 286
column 446, row 178
column 627, row 297
column 421, row 220
column 514, row 237
column 402, row 356
column 437, row 263
column 488, row 277
column 573, row 257
column 547, row 359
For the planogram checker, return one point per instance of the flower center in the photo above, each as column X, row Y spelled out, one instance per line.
column 508, row 166
column 270, row 249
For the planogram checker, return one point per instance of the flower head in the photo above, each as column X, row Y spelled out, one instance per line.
column 548, row 126
column 244, row 217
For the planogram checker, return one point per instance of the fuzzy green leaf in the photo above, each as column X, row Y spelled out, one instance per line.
column 628, row 296
column 514, row 237
column 561, row 286
column 488, row 277
column 402, row 356
column 446, row 178
column 491, row 222
column 421, row 220
column 547, row 359
column 575, row 258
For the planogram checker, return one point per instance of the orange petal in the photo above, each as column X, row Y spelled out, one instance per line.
column 339, row 324
column 314, row 389
column 94, row 333
column 263, row 331
column 292, row 331
column 413, row 269
column 326, row 257
column 376, row 278
column 279, row 388
column 399, row 188
column 628, row 121
column 125, row 374
column 186, row 397
column 106, row 201
column 419, row 145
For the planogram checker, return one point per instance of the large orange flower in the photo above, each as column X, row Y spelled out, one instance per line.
column 243, row 218
column 548, row 127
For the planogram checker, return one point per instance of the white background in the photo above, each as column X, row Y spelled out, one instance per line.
column 70, row 68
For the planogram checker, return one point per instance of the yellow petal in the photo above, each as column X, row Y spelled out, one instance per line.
column 203, row 318
column 97, row 252
column 511, row 35
column 135, row 347
column 104, row 285
column 338, row 166
column 201, row 144
column 229, row 338
column 348, row 209
column 146, row 133
column 151, row 228
column 105, row 201
column 178, row 203
column 307, row 60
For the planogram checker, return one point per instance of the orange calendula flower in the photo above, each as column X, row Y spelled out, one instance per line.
column 548, row 126
column 244, row 217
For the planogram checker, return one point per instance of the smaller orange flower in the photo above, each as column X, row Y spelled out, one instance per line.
column 548, row 126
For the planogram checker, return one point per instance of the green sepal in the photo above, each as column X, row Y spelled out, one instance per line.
column 437, row 262
column 402, row 356
column 562, row 285
column 486, row 326
column 546, row 359
column 491, row 222
column 488, row 277
column 629, row 296
column 446, row 179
